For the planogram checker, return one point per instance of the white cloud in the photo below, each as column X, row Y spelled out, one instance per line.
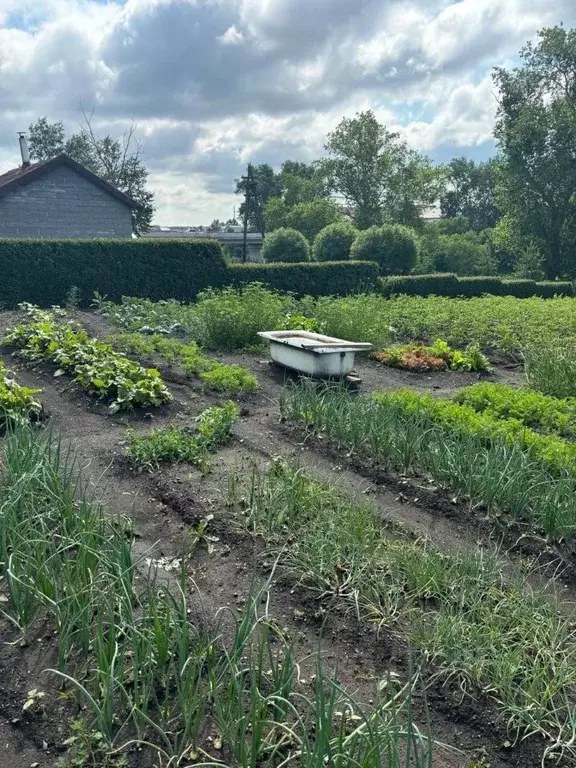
column 215, row 83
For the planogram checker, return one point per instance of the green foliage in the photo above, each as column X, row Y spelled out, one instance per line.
column 311, row 218
column 177, row 445
column 536, row 132
column 285, row 245
column 463, row 253
column 232, row 317
column 470, row 191
column 494, row 322
column 219, row 376
column 42, row 271
column 335, row 278
column 550, row 366
column 394, row 247
column 275, row 213
column 442, row 284
column 484, row 626
column 18, row 404
column 557, row 455
column 293, row 322
column 437, row 357
column 266, row 184
column 93, row 364
column 447, row 284
column 529, row 264
column 538, row 411
column 376, row 173
column 500, row 465
column 117, row 161
column 333, row 243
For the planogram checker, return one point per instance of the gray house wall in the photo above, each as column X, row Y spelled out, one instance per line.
column 61, row 204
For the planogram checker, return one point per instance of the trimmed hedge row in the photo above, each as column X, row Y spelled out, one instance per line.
column 445, row 284
column 310, row 278
column 43, row 271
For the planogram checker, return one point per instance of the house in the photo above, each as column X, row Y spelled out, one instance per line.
column 233, row 240
column 60, row 198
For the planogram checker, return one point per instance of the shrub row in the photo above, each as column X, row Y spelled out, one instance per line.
column 43, row 271
column 448, row 284
column 310, row 278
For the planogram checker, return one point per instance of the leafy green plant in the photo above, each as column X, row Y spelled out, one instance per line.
column 17, row 403
column 299, row 323
column 93, row 364
column 540, row 412
column 176, row 445
column 436, row 357
column 218, row 376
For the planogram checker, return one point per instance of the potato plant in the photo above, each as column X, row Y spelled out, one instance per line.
column 93, row 364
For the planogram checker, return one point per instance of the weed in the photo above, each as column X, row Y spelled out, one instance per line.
column 176, row 445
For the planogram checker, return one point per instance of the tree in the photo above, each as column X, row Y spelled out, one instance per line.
column 333, row 243
column 285, row 245
column 464, row 254
column 310, row 218
column 215, row 226
column 376, row 173
column 117, row 161
column 536, row 132
column 302, row 183
column 266, row 184
column 393, row 246
column 275, row 213
column 470, row 192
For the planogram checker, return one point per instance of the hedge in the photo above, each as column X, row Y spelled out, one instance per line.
column 310, row 279
column 447, row 284
column 43, row 271
column 441, row 284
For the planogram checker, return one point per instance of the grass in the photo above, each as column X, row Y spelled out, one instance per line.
column 482, row 630
column 177, row 445
column 141, row 673
column 497, row 474
column 218, row 376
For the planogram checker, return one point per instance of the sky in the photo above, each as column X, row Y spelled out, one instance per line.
column 214, row 84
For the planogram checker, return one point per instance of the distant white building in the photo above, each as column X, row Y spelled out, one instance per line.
column 234, row 240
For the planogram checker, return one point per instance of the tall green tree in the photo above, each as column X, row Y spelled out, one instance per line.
column 376, row 173
column 470, row 192
column 117, row 161
column 536, row 133
column 265, row 184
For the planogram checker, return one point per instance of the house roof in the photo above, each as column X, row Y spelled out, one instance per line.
column 26, row 173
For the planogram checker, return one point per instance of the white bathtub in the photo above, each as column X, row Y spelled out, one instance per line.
column 312, row 353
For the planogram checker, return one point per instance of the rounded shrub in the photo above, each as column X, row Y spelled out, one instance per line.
column 333, row 243
column 285, row 245
column 393, row 246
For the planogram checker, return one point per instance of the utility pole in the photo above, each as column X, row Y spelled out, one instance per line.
column 250, row 205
